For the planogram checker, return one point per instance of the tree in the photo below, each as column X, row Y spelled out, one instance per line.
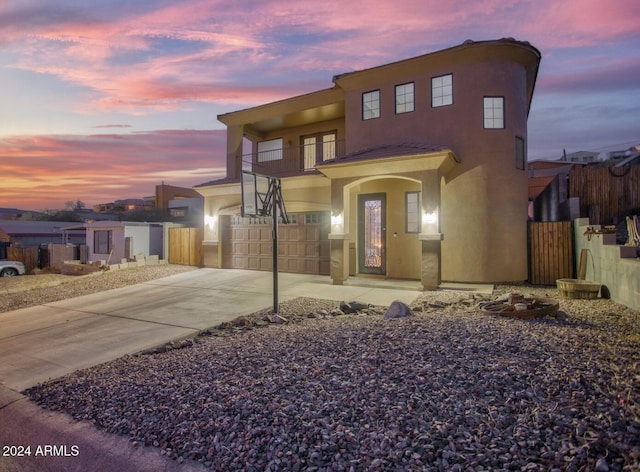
column 63, row 215
column 74, row 206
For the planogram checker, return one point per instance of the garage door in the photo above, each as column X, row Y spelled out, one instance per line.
column 303, row 244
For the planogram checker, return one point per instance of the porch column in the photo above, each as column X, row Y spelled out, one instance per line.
column 214, row 226
column 430, row 235
column 211, row 236
column 339, row 271
column 338, row 237
column 235, row 134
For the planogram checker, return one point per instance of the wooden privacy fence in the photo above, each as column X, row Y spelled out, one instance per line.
column 185, row 246
column 605, row 192
column 551, row 252
column 27, row 255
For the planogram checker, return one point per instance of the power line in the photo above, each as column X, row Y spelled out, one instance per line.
column 627, row 143
column 636, row 141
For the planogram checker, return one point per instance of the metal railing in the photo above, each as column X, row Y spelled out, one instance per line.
column 292, row 160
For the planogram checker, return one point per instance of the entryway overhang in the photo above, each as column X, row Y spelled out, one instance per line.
column 419, row 163
column 442, row 161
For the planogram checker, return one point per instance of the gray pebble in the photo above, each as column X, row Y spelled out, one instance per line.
column 448, row 388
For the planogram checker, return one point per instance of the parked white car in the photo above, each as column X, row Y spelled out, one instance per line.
column 11, row 268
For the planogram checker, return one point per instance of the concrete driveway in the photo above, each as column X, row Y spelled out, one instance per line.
column 49, row 341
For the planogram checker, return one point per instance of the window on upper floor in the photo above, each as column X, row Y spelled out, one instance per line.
column 442, row 90
column 494, row 112
column 405, row 98
column 270, row 150
column 521, row 156
column 371, row 105
column 318, row 148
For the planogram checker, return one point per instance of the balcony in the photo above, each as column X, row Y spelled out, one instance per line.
column 293, row 160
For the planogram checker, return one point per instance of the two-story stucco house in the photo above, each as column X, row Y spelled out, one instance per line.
column 409, row 170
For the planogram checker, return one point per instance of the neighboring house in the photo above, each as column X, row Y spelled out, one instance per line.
column 16, row 214
column 410, row 170
column 113, row 241
column 34, row 233
column 627, row 157
column 549, row 191
column 179, row 202
column 175, row 204
column 127, row 204
column 187, row 210
column 580, row 157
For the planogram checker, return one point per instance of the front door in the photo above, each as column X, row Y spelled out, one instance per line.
column 372, row 233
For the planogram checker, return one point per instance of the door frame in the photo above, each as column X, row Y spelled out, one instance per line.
column 362, row 198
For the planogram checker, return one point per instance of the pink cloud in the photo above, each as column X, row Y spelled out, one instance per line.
column 589, row 22
column 46, row 171
column 159, row 57
column 234, row 47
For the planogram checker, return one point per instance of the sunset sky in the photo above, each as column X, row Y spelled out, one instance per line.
column 104, row 99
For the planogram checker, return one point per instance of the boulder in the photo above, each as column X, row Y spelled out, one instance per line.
column 278, row 319
column 397, row 309
column 352, row 307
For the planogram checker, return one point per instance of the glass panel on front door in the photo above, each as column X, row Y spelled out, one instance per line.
column 372, row 234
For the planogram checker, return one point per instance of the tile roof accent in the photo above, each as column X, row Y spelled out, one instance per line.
column 387, row 150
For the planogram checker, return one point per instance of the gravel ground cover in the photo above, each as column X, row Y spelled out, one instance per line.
column 448, row 388
column 29, row 290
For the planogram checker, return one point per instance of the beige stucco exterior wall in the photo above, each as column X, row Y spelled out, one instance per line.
column 484, row 200
column 612, row 265
column 309, row 193
column 402, row 249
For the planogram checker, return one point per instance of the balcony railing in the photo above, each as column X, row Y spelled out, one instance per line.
column 293, row 160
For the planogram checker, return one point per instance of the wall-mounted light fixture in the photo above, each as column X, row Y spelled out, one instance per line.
column 430, row 217
column 430, row 226
column 337, row 222
column 211, row 221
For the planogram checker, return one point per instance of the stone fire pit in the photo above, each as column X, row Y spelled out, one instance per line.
column 519, row 306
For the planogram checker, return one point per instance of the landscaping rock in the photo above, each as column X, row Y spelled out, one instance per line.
column 397, row 309
column 445, row 389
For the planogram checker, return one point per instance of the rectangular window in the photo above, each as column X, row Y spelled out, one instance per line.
column 404, row 98
column 270, row 150
column 178, row 212
column 102, row 241
column 442, row 90
column 521, row 157
column 314, row 218
column 318, row 148
column 328, row 146
column 309, row 152
column 494, row 112
column 412, row 212
column 371, row 105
